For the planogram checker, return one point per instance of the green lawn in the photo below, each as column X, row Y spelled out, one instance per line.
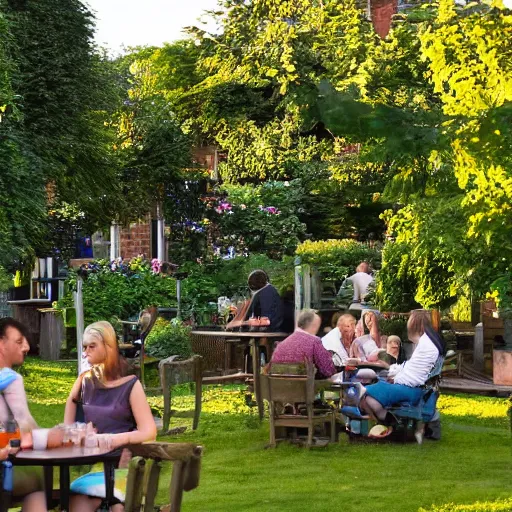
column 471, row 463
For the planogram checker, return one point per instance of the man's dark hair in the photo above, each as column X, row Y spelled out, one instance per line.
column 257, row 280
column 7, row 322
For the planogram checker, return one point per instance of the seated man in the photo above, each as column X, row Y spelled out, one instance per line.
column 360, row 281
column 339, row 340
column 28, row 481
column 305, row 344
column 405, row 381
column 265, row 304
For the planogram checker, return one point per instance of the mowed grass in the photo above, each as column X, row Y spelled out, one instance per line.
column 471, row 463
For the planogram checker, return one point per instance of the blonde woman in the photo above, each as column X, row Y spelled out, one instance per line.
column 115, row 403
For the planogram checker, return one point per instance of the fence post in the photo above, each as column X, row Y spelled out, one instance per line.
column 478, row 347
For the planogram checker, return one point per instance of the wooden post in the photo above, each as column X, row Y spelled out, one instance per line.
column 79, row 309
column 435, row 316
column 478, row 347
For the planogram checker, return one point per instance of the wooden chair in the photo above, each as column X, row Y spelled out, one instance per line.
column 147, row 319
column 288, row 384
column 174, row 371
column 144, row 474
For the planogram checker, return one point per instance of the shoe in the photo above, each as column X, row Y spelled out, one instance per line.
column 380, row 431
column 419, row 435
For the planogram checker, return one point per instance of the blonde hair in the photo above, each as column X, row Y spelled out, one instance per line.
column 394, row 339
column 418, row 322
column 348, row 317
column 112, row 368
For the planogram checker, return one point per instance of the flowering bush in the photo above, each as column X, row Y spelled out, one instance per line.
column 261, row 218
column 120, row 289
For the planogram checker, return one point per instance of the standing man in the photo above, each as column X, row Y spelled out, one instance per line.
column 28, row 481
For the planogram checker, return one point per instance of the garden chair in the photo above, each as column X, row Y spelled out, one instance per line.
column 174, row 371
column 294, row 384
column 144, row 474
column 147, row 319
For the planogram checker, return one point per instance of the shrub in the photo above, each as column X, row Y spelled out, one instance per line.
column 335, row 259
column 117, row 290
column 169, row 339
column 395, row 282
column 6, row 280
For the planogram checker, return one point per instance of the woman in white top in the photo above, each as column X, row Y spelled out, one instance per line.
column 404, row 380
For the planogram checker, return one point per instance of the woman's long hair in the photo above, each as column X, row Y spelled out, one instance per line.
column 114, row 365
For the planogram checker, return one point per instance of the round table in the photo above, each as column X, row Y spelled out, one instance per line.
column 64, row 457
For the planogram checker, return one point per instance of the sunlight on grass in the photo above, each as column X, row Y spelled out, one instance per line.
column 487, row 411
column 216, row 400
column 479, row 506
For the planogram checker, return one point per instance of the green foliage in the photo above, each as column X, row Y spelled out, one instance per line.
column 259, row 218
column 336, row 259
column 6, row 280
column 206, row 282
column 396, row 326
column 118, row 291
column 396, row 282
column 169, row 339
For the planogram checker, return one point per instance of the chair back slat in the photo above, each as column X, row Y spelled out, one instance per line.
column 134, row 485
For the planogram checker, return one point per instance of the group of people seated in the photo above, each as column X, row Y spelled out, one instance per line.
column 105, row 395
column 347, row 345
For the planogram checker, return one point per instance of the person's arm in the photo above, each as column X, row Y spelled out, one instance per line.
column 16, row 399
column 70, row 410
column 146, row 428
column 323, row 360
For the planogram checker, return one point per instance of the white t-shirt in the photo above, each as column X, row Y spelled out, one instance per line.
column 415, row 372
column 360, row 281
column 332, row 341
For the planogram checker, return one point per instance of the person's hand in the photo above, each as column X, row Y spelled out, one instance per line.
column 4, row 453
column 234, row 324
column 370, row 319
column 55, row 438
column 26, row 440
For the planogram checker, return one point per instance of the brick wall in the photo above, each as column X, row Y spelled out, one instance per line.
column 136, row 239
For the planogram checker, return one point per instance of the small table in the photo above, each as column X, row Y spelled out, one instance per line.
column 252, row 338
column 65, row 457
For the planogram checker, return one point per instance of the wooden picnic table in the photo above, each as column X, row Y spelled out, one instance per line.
column 252, row 339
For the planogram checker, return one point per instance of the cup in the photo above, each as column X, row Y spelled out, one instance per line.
column 40, row 438
column 91, row 441
column 105, row 441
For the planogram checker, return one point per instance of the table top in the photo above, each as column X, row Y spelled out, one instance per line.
column 68, row 455
column 244, row 334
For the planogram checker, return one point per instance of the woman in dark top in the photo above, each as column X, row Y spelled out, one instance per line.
column 114, row 403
